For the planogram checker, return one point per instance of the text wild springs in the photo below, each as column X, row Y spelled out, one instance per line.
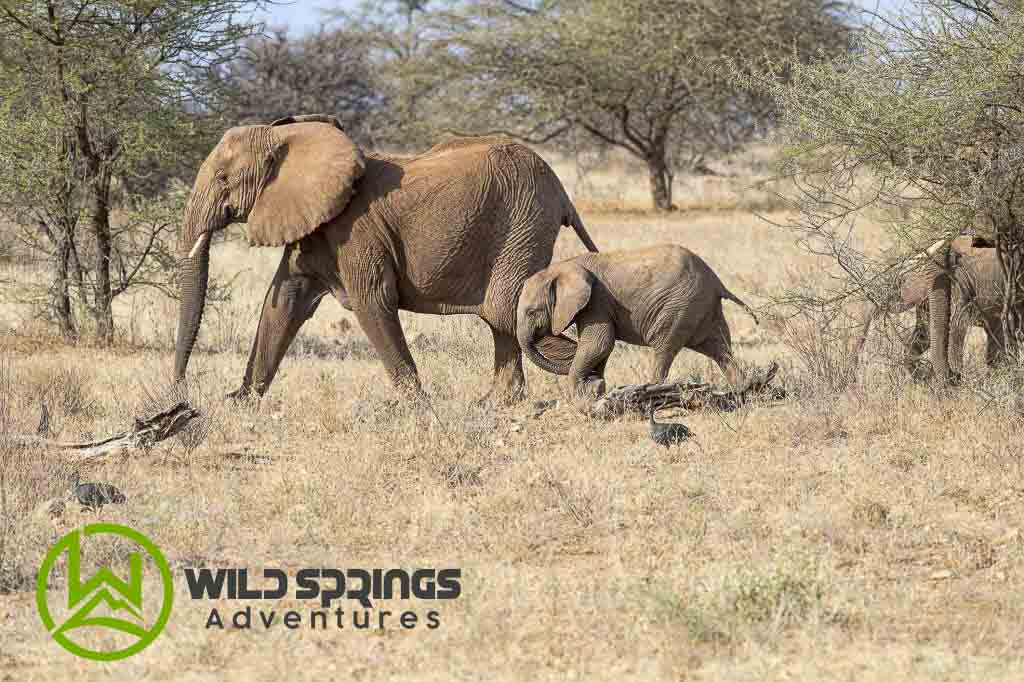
column 364, row 586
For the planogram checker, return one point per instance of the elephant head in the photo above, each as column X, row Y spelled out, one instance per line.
column 548, row 304
column 941, row 277
column 971, row 266
column 283, row 180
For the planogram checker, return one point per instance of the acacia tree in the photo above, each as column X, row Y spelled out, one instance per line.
column 93, row 94
column 328, row 71
column 639, row 75
column 925, row 121
column 398, row 34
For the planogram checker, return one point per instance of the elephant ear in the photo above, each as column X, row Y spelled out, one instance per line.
column 569, row 291
column 314, row 168
column 308, row 118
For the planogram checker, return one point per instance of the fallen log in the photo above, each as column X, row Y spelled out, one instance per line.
column 143, row 435
column 686, row 395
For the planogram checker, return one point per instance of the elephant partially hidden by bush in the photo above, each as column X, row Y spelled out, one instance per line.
column 455, row 230
column 968, row 280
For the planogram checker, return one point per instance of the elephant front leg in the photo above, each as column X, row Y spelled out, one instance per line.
column 596, row 343
column 291, row 300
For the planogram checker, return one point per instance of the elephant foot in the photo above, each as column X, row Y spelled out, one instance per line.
column 242, row 395
column 923, row 372
column 502, row 397
column 595, row 387
column 409, row 388
column 378, row 411
column 919, row 371
column 590, row 389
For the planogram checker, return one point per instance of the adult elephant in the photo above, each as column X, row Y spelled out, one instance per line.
column 455, row 230
column 964, row 280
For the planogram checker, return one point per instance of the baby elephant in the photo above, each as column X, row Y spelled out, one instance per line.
column 664, row 296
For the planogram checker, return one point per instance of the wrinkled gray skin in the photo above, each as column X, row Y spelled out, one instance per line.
column 973, row 297
column 664, row 296
column 455, row 230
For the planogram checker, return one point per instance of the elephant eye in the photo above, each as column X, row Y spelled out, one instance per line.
column 222, row 178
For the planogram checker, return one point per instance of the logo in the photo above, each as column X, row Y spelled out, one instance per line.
column 131, row 616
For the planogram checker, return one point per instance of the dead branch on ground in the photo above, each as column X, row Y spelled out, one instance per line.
column 686, row 395
column 143, row 435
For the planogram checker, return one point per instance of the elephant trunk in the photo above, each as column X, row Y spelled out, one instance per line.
column 938, row 304
column 193, row 276
column 551, row 353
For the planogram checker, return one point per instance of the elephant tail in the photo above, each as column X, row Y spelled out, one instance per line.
column 571, row 218
column 728, row 295
column 576, row 223
column 558, row 351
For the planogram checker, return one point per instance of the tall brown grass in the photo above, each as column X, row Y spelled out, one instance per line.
column 867, row 529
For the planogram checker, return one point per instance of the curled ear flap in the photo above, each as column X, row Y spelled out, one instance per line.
column 314, row 168
column 568, row 292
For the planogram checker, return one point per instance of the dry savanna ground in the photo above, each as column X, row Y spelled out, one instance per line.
column 869, row 531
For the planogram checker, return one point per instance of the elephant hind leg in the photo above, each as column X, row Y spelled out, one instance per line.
column 661, row 363
column 721, row 352
column 718, row 347
column 509, row 381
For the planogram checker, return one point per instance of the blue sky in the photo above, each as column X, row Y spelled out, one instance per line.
column 302, row 15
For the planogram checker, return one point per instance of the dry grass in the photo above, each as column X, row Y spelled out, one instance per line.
column 743, row 182
column 868, row 533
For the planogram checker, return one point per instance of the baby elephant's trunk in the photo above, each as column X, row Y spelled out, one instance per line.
column 551, row 353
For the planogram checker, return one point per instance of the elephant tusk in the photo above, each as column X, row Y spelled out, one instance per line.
column 200, row 243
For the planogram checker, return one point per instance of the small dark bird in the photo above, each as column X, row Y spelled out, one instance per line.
column 95, row 495
column 44, row 420
column 668, row 434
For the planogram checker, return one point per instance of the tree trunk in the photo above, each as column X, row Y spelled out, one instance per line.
column 1010, row 251
column 62, row 293
column 100, row 225
column 661, row 181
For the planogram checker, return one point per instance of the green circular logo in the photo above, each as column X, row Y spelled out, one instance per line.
column 100, row 601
